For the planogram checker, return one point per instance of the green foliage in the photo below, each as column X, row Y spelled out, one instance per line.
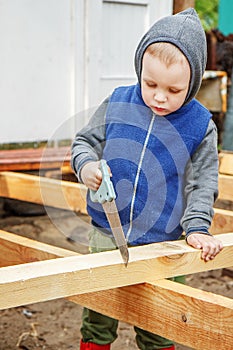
column 208, row 13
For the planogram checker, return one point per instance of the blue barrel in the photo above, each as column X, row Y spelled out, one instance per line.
column 225, row 21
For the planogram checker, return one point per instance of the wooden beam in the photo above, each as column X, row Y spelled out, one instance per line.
column 34, row 158
column 183, row 307
column 65, row 194
column 222, row 221
column 225, row 187
column 49, row 192
column 180, row 5
column 226, row 163
column 189, row 316
column 62, row 277
column 15, row 250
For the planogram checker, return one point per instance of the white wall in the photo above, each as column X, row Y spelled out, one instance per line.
column 34, row 68
column 59, row 57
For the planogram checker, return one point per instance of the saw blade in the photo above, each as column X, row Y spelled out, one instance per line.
column 112, row 214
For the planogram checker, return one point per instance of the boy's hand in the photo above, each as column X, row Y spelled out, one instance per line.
column 91, row 175
column 210, row 245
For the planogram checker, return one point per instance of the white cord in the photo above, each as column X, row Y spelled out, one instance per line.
column 137, row 177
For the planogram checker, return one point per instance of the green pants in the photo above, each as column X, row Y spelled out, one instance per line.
column 101, row 329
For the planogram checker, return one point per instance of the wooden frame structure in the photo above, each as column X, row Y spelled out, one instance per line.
column 139, row 294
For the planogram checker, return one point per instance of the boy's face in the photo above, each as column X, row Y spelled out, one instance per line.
column 164, row 89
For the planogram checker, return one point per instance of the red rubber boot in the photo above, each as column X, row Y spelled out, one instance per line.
column 92, row 346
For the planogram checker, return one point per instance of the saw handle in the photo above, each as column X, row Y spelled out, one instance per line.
column 105, row 192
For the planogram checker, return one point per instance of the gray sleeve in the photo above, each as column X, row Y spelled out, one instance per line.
column 89, row 142
column 201, row 187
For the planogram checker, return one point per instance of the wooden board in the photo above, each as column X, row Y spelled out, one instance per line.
column 92, row 278
column 62, row 277
column 182, row 307
column 192, row 317
column 34, row 159
column 226, row 163
column 41, row 190
column 222, row 221
column 15, row 250
column 225, row 184
column 65, row 194
column 180, row 5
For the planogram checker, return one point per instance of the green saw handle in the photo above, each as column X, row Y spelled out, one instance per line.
column 106, row 192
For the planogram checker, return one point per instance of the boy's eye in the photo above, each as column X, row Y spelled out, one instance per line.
column 174, row 91
column 150, row 84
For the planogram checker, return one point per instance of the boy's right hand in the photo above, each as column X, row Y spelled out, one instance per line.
column 91, row 175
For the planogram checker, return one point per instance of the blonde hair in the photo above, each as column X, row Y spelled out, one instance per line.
column 166, row 52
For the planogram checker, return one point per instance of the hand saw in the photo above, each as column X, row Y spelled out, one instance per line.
column 105, row 195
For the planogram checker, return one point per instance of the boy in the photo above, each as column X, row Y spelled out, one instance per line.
column 161, row 148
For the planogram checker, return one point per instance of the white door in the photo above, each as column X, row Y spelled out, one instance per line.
column 61, row 57
column 113, row 30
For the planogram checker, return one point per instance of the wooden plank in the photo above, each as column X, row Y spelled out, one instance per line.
column 166, row 302
column 16, row 250
column 180, row 5
column 222, row 221
column 62, row 277
column 211, row 91
column 66, row 194
column 227, row 272
column 192, row 317
column 225, row 187
column 34, row 159
column 226, row 163
column 49, row 192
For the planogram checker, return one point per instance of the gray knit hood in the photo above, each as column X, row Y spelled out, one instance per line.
column 185, row 31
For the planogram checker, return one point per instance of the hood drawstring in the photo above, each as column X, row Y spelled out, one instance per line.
column 137, row 176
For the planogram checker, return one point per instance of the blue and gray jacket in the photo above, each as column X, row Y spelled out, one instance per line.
column 164, row 169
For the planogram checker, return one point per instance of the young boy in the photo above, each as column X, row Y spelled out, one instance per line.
column 161, row 148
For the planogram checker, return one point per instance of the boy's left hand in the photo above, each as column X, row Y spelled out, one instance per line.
column 210, row 245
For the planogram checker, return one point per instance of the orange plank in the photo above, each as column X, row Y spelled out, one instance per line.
column 34, row 159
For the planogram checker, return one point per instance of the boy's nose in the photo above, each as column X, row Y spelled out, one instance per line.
column 160, row 97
